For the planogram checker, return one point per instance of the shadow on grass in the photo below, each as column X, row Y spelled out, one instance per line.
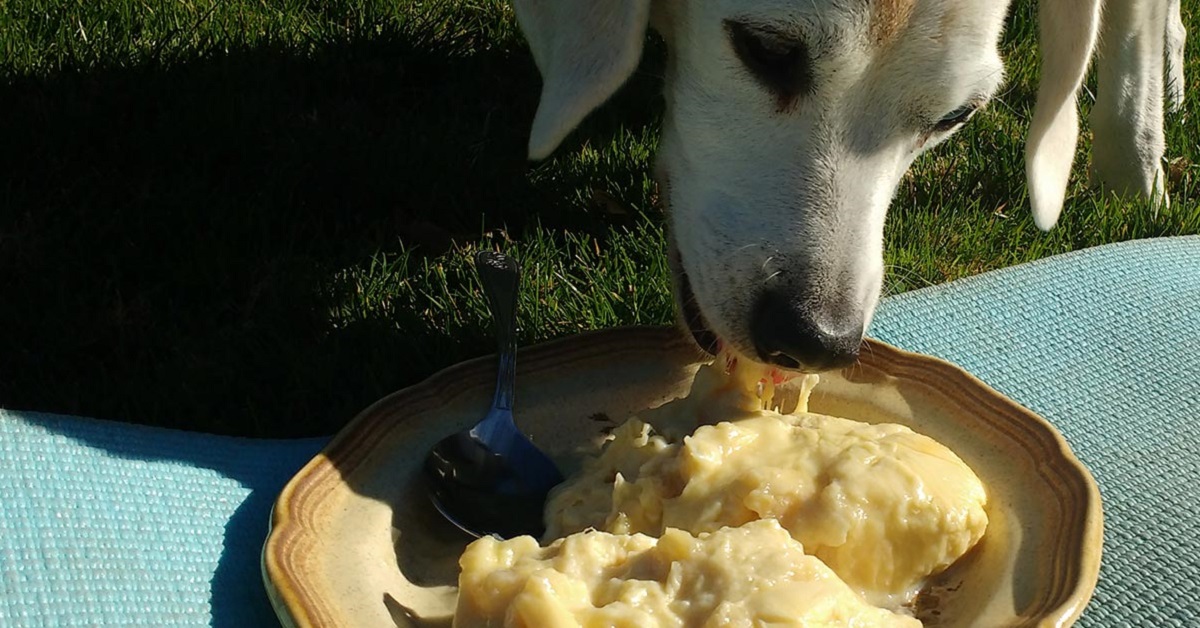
column 167, row 234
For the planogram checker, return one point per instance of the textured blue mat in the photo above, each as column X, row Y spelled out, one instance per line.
column 105, row 524
column 118, row 525
column 1105, row 344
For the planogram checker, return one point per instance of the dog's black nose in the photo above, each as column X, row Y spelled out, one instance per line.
column 789, row 334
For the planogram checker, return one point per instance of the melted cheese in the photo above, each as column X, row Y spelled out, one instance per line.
column 884, row 507
column 753, row 575
column 764, row 518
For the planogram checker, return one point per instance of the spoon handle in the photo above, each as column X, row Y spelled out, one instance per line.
column 499, row 275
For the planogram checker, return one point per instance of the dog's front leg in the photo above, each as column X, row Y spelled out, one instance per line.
column 1127, row 121
column 1176, row 37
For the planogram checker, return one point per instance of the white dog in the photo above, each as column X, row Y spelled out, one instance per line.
column 789, row 124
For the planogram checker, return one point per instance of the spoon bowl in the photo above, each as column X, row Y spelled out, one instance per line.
column 491, row 479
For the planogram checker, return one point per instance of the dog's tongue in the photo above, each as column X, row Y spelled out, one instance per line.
column 769, row 374
column 778, row 377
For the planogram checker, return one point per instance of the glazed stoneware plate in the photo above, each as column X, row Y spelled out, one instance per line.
column 355, row 540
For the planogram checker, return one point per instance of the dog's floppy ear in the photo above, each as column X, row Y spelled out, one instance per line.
column 585, row 50
column 1067, row 38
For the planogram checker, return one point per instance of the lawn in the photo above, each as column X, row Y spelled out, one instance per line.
column 255, row 216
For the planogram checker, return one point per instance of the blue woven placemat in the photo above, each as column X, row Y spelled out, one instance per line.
column 120, row 525
column 1105, row 344
column 106, row 524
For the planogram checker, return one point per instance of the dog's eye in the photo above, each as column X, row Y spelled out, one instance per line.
column 956, row 117
column 780, row 63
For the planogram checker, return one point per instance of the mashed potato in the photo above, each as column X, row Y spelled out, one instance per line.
column 753, row 575
column 884, row 507
column 862, row 513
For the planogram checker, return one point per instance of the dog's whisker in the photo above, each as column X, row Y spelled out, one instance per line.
column 857, row 368
column 869, row 348
column 854, row 369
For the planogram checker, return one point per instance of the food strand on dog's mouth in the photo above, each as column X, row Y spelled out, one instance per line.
column 863, row 514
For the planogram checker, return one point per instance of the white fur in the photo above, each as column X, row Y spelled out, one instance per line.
column 1127, row 120
column 795, row 197
column 1176, row 38
column 585, row 51
column 1068, row 36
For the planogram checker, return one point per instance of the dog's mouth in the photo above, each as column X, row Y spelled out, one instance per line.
column 689, row 309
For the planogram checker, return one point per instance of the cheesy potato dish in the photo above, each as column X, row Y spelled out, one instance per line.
column 752, row 575
column 862, row 513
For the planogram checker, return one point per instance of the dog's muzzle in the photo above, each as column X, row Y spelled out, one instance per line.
column 798, row 335
column 691, row 316
column 787, row 332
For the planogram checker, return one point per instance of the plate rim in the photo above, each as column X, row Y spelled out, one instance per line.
column 296, row 609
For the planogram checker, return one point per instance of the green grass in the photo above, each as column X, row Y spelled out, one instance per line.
column 255, row 217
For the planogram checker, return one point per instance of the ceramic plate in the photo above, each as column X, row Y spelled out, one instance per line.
column 356, row 542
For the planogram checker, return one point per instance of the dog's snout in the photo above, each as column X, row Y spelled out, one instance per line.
column 794, row 334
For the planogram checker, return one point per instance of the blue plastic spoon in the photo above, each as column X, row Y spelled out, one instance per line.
column 491, row 479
